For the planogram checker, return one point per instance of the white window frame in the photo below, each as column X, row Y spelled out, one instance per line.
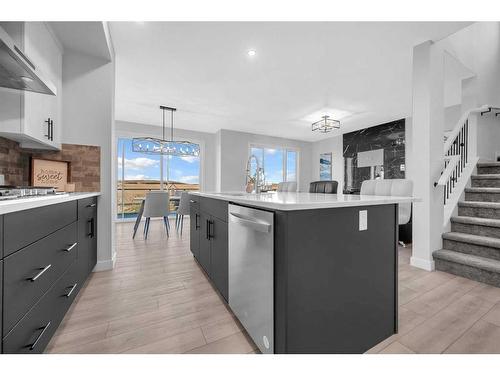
column 284, row 150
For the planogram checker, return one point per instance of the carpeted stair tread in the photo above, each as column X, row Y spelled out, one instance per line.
column 486, row 176
column 475, row 261
column 488, row 164
column 472, row 239
column 476, row 221
column 491, row 190
column 479, row 204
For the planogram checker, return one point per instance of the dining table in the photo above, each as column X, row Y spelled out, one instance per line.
column 173, row 198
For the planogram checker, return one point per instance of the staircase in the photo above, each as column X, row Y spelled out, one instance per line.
column 472, row 248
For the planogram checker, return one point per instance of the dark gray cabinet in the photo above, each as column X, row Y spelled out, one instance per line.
column 22, row 228
column 209, row 241
column 87, row 236
column 31, row 271
column 335, row 287
column 204, row 254
column 34, row 331
column 51, row 251
column 219, row 255
column 194, row 226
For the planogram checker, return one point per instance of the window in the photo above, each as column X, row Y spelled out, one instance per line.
column 139, row 173
column 280, row 164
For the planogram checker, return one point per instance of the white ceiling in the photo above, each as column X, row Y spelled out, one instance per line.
column 300, row 68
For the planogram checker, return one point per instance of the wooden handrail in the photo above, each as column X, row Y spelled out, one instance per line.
column 460, row 124
column 453, row 160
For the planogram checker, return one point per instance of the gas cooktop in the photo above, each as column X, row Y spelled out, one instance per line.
column 9, row 192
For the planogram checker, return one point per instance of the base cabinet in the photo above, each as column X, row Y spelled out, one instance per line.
column 87, row 236
column 204, row 258
column 209, row 241
column 219, row 256
column 194, row 227
column 42, row 279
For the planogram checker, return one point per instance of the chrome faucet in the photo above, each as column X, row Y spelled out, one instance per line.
column 258, row 171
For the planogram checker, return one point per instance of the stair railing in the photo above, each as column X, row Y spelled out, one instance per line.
column 457, row 152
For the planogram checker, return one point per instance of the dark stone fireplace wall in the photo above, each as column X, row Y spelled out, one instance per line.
column 390, row 137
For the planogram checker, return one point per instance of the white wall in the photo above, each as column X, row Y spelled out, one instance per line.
column 234, row 155
column 335, row 146
column 207, row 142
column 88, row 119
column 478, row 48
column 488, row 137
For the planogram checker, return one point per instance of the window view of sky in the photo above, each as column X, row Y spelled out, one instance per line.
column 139, row 166
column 273, row 163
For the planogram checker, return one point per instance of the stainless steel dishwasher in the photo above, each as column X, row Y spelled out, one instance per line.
column 251, row 276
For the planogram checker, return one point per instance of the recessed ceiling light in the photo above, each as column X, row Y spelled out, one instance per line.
column 251, row 52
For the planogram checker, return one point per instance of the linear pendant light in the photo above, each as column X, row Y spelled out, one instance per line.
column 157, row 146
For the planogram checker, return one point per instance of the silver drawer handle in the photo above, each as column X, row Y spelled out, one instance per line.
column 71, row 247
column 192, row 201
column 32, row 347
column 91, row 205
column 72, row 290
column 40, row 273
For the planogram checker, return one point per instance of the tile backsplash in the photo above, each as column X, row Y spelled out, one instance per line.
column 85, row 163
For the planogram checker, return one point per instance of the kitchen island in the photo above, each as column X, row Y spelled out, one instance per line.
column 304, row 273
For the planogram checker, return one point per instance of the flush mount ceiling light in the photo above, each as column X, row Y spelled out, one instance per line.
column 162, row 146
column 325, row 125
column 251, row 52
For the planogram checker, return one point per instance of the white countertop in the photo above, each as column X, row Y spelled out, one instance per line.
column 14, row 205
column 303, row 201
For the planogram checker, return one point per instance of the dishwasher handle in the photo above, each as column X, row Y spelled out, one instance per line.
column 250, row 222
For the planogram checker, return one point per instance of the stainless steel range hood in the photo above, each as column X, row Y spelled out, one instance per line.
column 18, row 72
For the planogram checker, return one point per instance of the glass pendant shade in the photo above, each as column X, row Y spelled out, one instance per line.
column 162, row 146
column 148, row 145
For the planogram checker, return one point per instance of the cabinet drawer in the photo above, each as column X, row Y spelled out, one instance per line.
column 87, row 207
column 33, row 332
column 214, row 207
column 25, row 227
column 30, row 272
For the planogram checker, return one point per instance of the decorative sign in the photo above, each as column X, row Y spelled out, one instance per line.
column 325, row 166
column 50, row 173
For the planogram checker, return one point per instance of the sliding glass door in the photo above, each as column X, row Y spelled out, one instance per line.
column 140, row 173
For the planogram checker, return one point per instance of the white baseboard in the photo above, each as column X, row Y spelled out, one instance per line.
column 105, row 265
column 424, row 264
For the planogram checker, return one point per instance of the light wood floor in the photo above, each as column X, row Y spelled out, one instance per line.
column 158, row 300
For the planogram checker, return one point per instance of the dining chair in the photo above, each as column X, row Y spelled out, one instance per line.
column 398, row 187
column 324, row 187
column 182, row 210
column 156, row 204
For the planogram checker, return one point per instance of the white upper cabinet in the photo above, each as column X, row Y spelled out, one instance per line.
column 31, row 118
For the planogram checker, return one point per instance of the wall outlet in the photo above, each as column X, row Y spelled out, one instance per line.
column 363, row 220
